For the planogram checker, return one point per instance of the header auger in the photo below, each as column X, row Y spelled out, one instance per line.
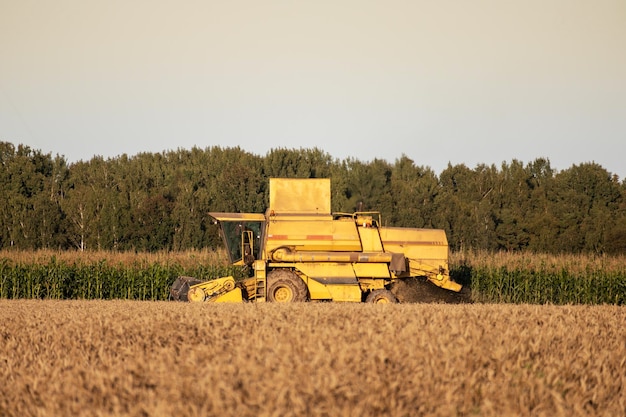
column 300, row 251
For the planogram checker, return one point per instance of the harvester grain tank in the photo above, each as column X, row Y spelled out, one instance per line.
column 300, row 251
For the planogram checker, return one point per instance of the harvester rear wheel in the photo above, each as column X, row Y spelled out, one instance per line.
column 285, row 286
column 381, row 297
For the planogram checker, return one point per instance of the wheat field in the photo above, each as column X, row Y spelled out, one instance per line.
column 142, row 358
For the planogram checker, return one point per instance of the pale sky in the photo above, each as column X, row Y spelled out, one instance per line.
column 456, row 81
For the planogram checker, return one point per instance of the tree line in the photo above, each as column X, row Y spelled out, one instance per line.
column 160, row 201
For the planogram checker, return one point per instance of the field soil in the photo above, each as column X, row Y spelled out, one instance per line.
column 131, row 358
column 420, row 290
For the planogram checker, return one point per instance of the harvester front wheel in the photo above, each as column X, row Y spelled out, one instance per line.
column 285, row 287
column 381, row 297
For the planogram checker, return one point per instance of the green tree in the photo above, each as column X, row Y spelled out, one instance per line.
column 541, row 220
column 29, row 211
column 297, row 163
column 82, row 205
column 193, row 178
column 239, row 187
column 513, row 205
column 414, row 190
column 458, row 207
column 367, row 187
column 587, row 200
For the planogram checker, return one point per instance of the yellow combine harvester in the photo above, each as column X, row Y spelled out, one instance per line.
column 300, row 251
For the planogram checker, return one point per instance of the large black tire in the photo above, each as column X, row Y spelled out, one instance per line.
column 284, row 286
column 381, row 297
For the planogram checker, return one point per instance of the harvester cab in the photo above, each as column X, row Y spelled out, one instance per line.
column 242, row 235
column 300, row 251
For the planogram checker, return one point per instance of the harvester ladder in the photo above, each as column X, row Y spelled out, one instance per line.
column 259, row 289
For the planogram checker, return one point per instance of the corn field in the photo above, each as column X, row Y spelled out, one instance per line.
column 102, row 275
column 492, row 278
column 542, row 278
